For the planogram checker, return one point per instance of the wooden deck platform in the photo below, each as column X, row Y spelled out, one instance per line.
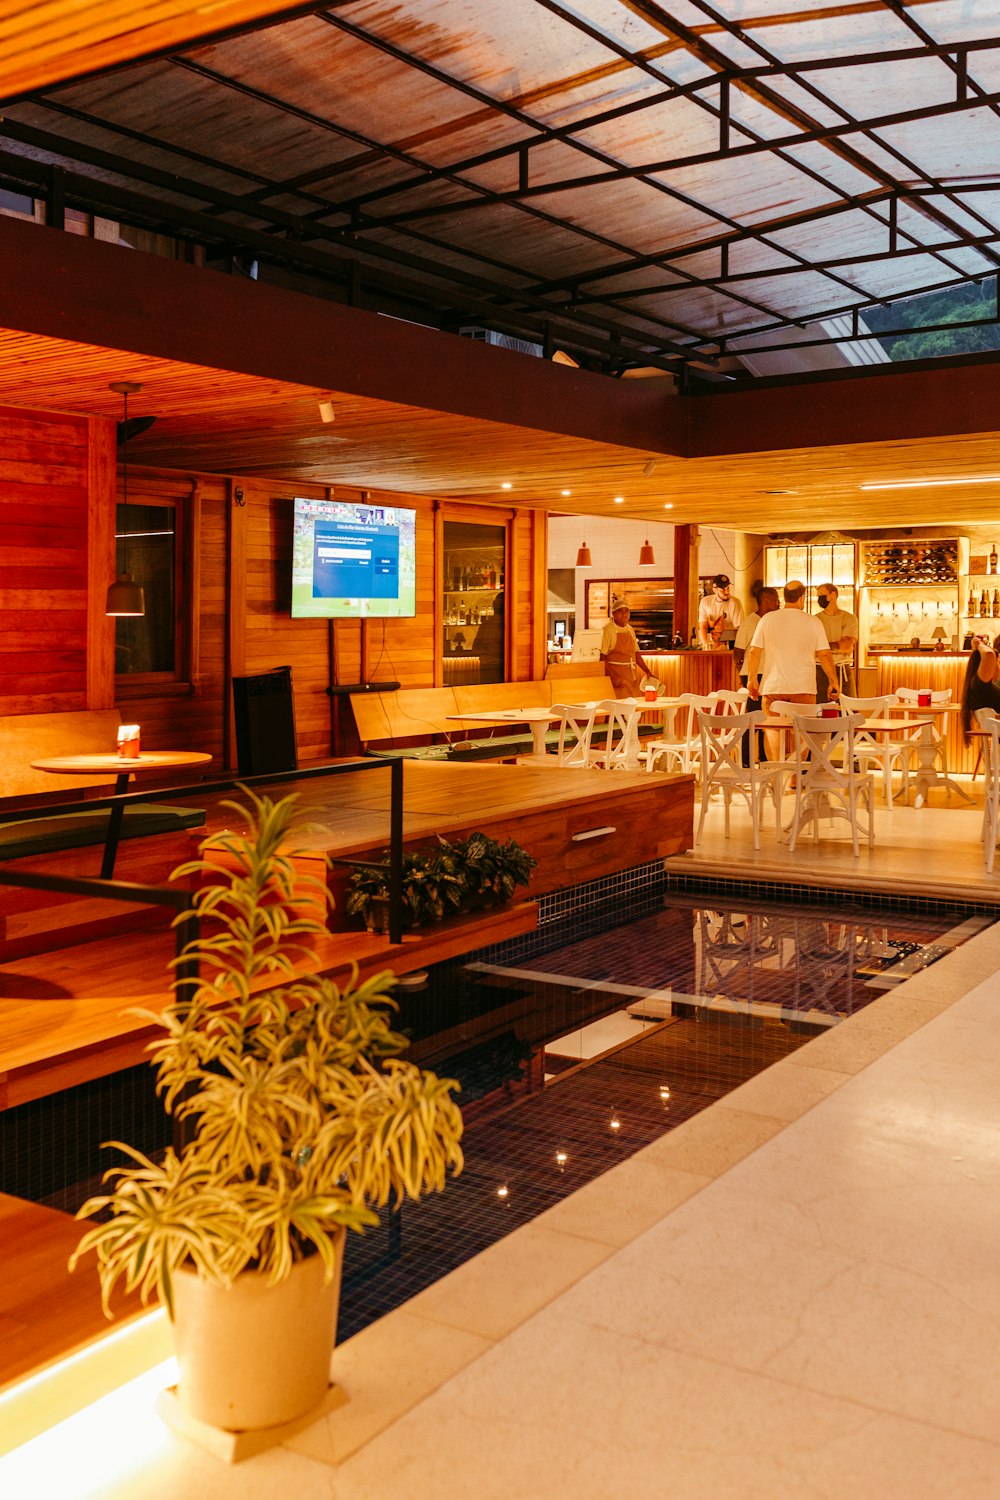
column 62, row 1010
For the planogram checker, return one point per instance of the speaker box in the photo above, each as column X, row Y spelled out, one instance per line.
column 265, row 722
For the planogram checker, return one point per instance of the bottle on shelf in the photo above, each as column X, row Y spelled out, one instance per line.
column 996, row 604
column 993, row 558
column 984, row 605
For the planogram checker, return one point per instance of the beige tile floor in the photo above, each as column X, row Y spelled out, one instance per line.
column 792, row 1295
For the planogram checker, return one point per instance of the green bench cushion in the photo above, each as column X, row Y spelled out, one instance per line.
column 413, row 752
column 45, row 835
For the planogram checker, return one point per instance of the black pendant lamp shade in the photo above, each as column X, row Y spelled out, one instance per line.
column 125, row 596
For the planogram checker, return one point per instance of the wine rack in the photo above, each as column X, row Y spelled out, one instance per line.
column 910, row 562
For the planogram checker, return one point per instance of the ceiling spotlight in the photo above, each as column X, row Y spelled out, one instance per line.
column 326, row 411
column 506, row 485
column 583, row 558
column 649, row 467
column 669, row 505
column 565, row 493
column 619, row 499
column 614, row 1123
column 646, row 554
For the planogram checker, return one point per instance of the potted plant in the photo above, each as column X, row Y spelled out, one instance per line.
column 441, row 881
column 296, row 1120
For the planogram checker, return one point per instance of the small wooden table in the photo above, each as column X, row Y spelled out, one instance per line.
column 928, row 773
column 123, row 768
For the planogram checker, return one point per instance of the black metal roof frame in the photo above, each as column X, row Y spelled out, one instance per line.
column 342, row 239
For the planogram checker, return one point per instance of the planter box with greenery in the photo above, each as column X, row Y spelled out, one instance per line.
column 297, row 1120
column 441, row 881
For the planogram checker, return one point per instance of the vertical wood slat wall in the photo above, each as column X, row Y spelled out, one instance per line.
column 57, row 495
column 55, row 486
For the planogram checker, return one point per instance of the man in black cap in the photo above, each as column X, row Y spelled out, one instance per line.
column 719, row 616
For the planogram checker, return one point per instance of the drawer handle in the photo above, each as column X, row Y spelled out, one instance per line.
column 593, row 833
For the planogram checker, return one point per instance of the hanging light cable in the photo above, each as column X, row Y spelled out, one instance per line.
column 125, row 596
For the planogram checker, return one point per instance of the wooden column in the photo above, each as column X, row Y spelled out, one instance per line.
column 685, row 603
column 102, row 499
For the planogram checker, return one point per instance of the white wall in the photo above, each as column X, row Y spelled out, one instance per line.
column 614, row 546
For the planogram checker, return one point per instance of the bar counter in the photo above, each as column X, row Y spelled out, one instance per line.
column 693, row 671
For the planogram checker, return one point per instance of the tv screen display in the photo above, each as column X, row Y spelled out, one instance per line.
column 353, row 561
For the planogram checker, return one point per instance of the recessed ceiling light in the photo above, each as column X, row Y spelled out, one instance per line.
column 669, row 505
column 565, row 492
column 506, row 485
column 619, row 499
column 920, row 484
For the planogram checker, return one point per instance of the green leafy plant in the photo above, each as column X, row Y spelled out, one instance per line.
column 297, row 1114
column 443, row 880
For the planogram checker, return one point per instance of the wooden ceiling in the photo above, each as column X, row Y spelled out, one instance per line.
column 42, row 41
column 214, row 421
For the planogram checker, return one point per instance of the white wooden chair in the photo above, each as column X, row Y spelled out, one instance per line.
column 682, row 751
column 620, row 751
column 889, row 752
column 988, row 721
column 575, row 726
column 911, row 697
column 722, row 770
column 819, row 780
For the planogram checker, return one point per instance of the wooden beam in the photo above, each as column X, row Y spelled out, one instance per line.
column 163, row 308
column 890, row 403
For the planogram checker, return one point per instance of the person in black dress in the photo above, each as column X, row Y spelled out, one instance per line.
column 981, row 688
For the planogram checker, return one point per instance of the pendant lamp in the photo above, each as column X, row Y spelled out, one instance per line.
column 583, row 558
column 646, row 553
column 125, row 596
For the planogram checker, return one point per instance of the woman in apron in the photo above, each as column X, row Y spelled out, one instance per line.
column 620, row 653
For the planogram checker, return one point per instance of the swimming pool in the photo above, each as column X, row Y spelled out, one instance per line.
column 573, row 1057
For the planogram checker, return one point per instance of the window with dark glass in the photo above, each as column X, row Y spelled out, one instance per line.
column 147, row 548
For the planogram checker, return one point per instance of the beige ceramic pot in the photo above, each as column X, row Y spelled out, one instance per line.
column 253, row 1355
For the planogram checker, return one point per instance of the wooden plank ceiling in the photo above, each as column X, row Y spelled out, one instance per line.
column 215, row 421
column 43, row 41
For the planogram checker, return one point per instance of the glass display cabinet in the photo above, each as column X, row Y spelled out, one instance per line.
column 474, row 629
column 814, row 563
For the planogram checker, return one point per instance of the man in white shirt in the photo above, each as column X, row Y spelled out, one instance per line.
column 841, row 629
column 719, row 616
column 794, row 642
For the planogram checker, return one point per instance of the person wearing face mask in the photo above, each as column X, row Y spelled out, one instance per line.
column 841, row 629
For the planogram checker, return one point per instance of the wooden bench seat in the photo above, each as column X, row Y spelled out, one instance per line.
column 426, row 723
column 57, row 831
column 28, row 737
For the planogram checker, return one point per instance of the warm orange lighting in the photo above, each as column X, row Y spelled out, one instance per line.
column 506, row 485
column 646, row 554
column 583, row 558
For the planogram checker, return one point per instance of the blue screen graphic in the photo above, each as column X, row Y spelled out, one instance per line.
column 352, row 560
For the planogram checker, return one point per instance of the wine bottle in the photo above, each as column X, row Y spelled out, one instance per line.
column 996, row 604
column 984, row 605
column 993, row 558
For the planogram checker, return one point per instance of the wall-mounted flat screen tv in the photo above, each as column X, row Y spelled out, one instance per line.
column 353, row 561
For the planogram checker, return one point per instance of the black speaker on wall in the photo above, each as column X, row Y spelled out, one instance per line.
column 265, row 722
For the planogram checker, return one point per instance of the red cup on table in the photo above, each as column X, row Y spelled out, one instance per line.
column 651, row 690
column 829, row 711
column 924, row 698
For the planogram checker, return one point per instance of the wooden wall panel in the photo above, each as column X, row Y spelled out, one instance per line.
column 237, row 574
column 45, row 468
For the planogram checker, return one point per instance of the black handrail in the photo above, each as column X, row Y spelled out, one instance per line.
column 124, row 890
